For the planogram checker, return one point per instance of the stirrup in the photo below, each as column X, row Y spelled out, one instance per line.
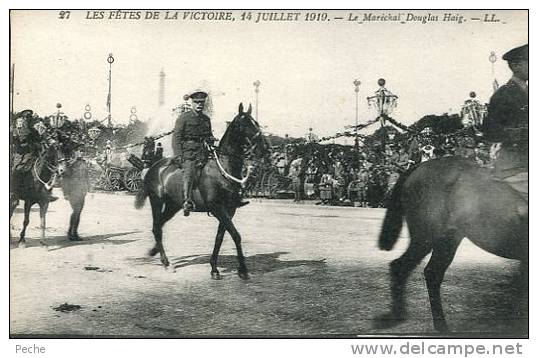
column 188, row 206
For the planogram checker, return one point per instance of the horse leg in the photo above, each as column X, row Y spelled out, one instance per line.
column 400, row 269
column 12, row 206
column 225, row 218
column 159, row 218
column 43, row 207
column 444, row 250
column 215, row 274
column 27, row 207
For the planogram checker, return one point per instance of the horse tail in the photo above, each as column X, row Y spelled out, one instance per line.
column 141, row 196
column 393, row 222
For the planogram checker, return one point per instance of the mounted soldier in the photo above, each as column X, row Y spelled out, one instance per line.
column 26, row 149
column 192, row 136
column 508, row 122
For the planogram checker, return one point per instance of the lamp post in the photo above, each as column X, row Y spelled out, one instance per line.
column 492, row 59
column 357, row 83
column 257, row 84
column 110, row 61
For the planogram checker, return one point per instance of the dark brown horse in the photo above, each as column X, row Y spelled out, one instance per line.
column 33, row 188
column 444, row 201
column 217, row 190
column 53, row 163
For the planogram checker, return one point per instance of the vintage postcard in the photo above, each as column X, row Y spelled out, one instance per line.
column 269, row 173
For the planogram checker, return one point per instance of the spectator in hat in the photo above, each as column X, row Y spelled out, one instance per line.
column 508, row 122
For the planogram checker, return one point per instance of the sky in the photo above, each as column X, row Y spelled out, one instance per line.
column 306, row 69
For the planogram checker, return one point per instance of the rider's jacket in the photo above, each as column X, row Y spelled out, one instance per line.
column 190, row 132
column 508, row 115
column 26, row 145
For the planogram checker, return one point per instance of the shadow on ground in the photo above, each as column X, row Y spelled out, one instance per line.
column 61, row 242
column 259, row 263
column 34, row 209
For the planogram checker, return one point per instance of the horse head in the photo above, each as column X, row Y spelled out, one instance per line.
column 248, row 133
column 66, row 153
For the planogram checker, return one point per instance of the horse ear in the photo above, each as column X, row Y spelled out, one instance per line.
column 240, row 107
column 249, row 110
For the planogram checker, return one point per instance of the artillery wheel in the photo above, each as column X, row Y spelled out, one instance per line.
column 113, row 180
column 132, row 179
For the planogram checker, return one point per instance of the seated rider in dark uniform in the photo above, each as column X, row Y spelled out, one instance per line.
column 26, row 147
column 191, row 133
column 508, row 122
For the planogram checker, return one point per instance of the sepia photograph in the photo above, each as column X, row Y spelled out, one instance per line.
column 269, row 174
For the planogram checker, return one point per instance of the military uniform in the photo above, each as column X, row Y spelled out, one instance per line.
column 508, row 122
column 26, row 146
column 191, row 133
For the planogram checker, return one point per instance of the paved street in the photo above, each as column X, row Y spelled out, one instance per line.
column 315, row 270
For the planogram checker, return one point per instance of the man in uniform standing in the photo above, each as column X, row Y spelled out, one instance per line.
column 508, row 122
column 191, row 133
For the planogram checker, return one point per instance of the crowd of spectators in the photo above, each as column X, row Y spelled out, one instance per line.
column 364, row 175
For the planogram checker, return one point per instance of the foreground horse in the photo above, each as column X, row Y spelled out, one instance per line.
column 217, row 191
column 443, row 201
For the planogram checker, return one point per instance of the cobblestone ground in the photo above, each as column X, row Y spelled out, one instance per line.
column 315, row 270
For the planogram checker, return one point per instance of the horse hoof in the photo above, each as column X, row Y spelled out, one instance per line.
column 387, row 320
column 22, row 244
column 243, row 275
column 153, row 252
column 75, row 238
column 165, row 262
column 441, row 327
column 216, row 276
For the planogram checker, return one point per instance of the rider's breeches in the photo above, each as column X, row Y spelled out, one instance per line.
column 191, row 173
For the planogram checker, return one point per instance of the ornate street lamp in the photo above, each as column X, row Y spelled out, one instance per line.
column 58, row 120
column 472, row 111
column 257, row 90
column 383, row 100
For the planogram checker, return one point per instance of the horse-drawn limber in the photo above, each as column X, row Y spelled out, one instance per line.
column 268, row 182
column 117, row 176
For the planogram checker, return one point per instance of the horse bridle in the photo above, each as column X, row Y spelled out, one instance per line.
column 248, row 152
column 54, row 169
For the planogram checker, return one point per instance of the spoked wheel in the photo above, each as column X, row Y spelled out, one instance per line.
column 114, row 180
column 132, row 179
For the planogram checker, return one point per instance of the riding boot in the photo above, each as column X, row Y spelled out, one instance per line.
column 188, row 205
